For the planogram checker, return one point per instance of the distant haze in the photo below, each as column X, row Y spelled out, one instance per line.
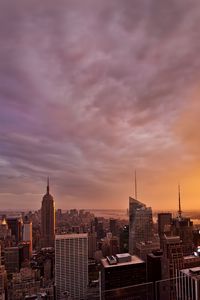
column 91, row 90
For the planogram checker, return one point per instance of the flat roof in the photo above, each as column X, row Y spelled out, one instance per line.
column 193, row 272
column 11, row 248
column 71, row 236
column 155, row 255
column 134, row 260
column 172, row 239
column 195, row 269
column 123, row 255
column 191, row 257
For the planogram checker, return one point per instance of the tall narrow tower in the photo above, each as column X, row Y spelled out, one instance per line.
column 136, row 185
column 183, row 227
column 179, row 203
column 48, row 219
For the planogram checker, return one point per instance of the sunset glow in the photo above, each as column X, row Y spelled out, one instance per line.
column 91, row 91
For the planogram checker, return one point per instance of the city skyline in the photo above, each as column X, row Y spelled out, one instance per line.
column 89, row 93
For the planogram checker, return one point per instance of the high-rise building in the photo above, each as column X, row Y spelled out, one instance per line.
column 113, row 227
column 4, row 230
column 12, row 259
column 92, row 244
column 27, row 233
column 120, row 275
column 3, row 282
column 154, row 270
column 114, row 245
column 172, row 262
column 99, row 229
column 154, row 266
column 188, row 284
column 15, row 224
column 164, row 226
column 124, row 239
column 144, row 248
column 48, row 219
column 196, row 238
column 191, row 261
column 140, row 223
column 172, row 256
column 183, row 227
column 71, row 265
column 164, row 223
column 24, row 252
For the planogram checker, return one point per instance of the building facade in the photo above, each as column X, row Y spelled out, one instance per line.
column 172, row 262
column 140, row 223
column 122, row 277
column 12, row 259
column 164, row 225
column 124, row 239
column 144, row 248
column 15, row 225
column 27, row 233
column 92, row 244
column 188, row 284
column 71, row 265
column 183, row 227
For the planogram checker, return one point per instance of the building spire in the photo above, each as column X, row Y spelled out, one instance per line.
column 48, row 185
column 179, row 202
column 135, row 185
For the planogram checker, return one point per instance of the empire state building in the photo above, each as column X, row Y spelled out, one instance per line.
column 48, row 219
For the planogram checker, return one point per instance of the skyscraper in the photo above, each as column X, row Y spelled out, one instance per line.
column 12, row 260
column 15, row 224
column 122, row 277
column 188, row 284
column 183, row 227
column 164, row 223
column 140, row 223
column 3, row 281
column 71, row 265
column 27, row 232
column 113, row 226
column 48, row 219
column 124, row 239
column 92, row 244
column 164, row 226
column 172, row 262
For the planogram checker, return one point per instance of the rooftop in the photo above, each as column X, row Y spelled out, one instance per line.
column 134, row 260
column 71, row 236
column 189, row 257
column 157, row 253
column 148, row 244
column 123, row 255
column 193, row 272
column 172, row 239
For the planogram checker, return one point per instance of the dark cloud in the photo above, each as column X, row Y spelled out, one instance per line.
column 90, row 91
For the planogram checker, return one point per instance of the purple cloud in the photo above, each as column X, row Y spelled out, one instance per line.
column 89, row 91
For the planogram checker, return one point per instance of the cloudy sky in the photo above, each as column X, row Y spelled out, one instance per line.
column 91, row 90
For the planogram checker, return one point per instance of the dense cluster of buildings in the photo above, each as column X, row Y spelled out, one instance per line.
column 59, row 255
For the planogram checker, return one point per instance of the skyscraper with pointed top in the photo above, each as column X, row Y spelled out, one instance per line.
column 140, row 221
column 179, row 202
column 140, row 224
column 183, row 227
column 48, row 219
